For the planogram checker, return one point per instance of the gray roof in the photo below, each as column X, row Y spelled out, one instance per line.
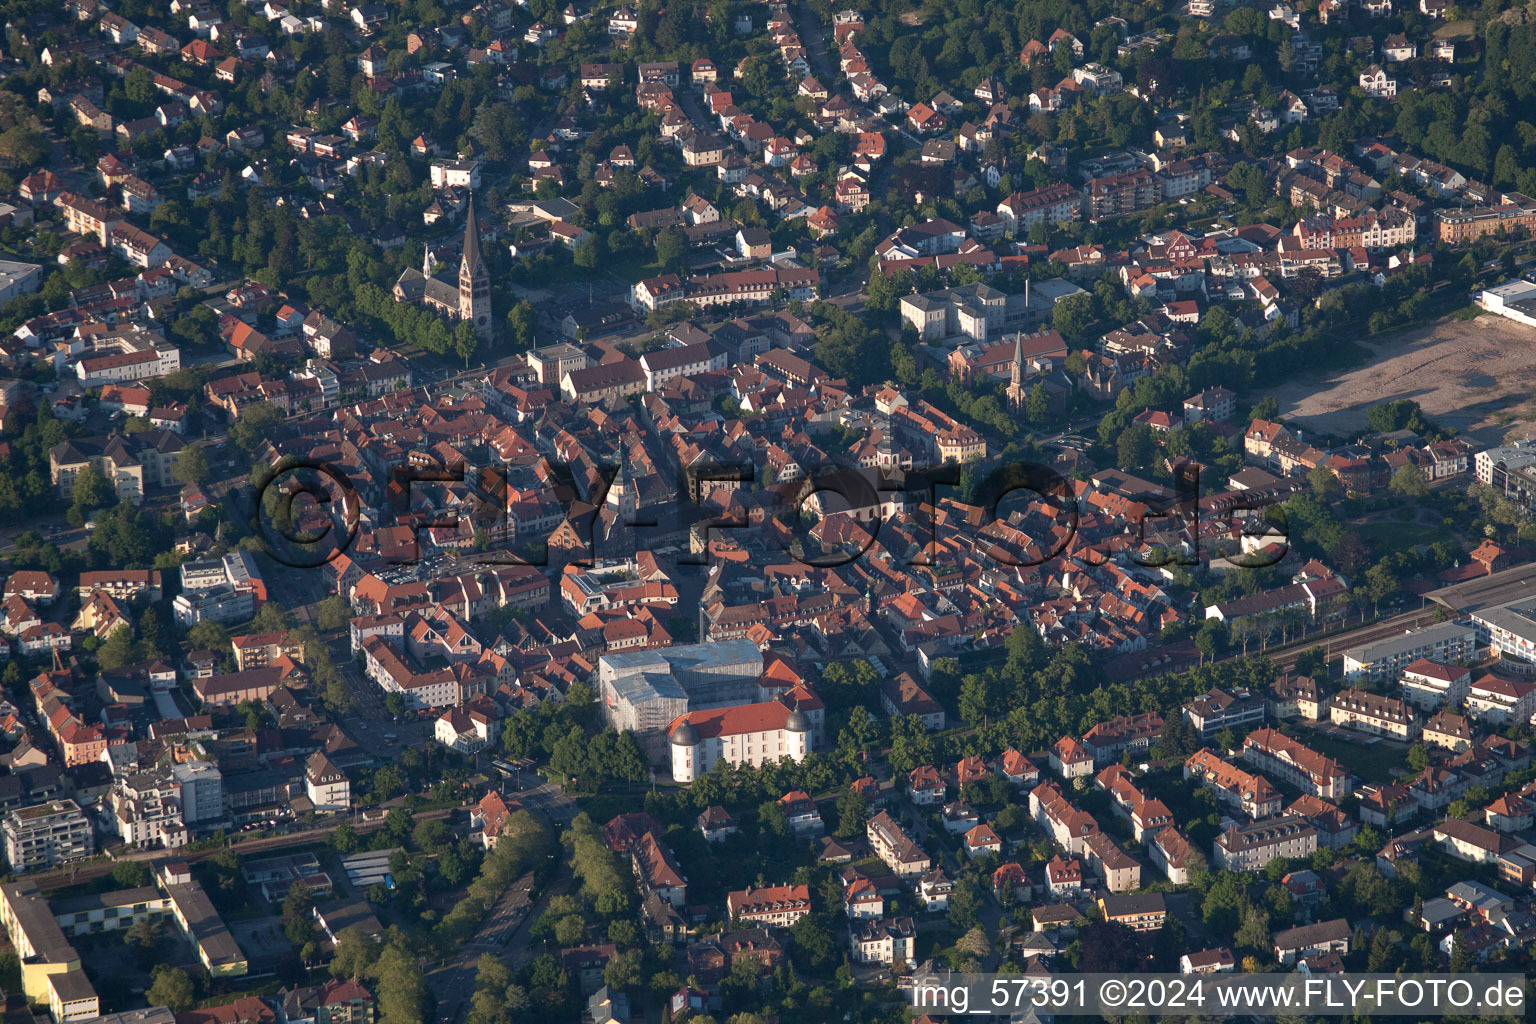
column 1439, row 910
column 1514, row 617
column 206, row 927
column 103, row 900
column 639, row 687
column 72, row 986
column 1400, row 645
column 698, row 657
column 1120, row 904
column 35, row 920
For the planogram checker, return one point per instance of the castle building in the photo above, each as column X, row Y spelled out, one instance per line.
column 467, row 299
column 753, row 734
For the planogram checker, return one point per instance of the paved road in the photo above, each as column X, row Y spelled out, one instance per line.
column 74, row 874
column 504, row 932
column 990, row 914
column 814, row 38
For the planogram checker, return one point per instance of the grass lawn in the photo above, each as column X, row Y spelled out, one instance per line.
column 1373, row 762
column 1401, row 536
column 936, row 937
column 634, row 268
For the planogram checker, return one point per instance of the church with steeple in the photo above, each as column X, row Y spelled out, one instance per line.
column 1017, row 392
column 468, row 298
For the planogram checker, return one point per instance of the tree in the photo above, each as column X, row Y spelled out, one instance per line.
column 92, row 490
column 355, row 954
column 520, row 324
column 974, row 943
column 128, row 874
column 1253, row 933
column 296, row 906
column 117, row 651
column 270, row 618
column 22, row 147
column 1109, row 947
column 171, row 988
column 210, row 636
column 1409, row 482
column 858, row 734
column 1324, row 484
column 627, row 970
column 852, row 813
column 255, row 421
column 465, row 340
column 975, row 699
column 144, row 939
column 965, row 904
column 1461, row 959
column 1418, row 757
column 139, row 84
column 1383, row 955
column 332, row 614
column 400, row 989
column 1037, row 404
column 191, row 466
column 672, row 250
column 1072, row 315
column 1135, row 446
column 813, row 942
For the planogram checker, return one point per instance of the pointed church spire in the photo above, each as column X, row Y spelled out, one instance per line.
column 1016, row 391
column 471, row 239
column 474, row 279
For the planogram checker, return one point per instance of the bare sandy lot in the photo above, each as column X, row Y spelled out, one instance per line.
column 1476, row 375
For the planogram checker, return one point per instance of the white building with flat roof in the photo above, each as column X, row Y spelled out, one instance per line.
column 1445, row 642
column 1509, row 629
column 18, row 279
column 1515, row 300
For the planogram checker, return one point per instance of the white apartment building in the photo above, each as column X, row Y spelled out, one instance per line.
column 1445, row 642
column 1429, row 685
column 455, row 174
column 1509, row 629
column 325, row 785
column 46, row 835
column 1494, row 701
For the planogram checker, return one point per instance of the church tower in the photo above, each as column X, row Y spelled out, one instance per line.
column 1016, row 392
column 474, row 280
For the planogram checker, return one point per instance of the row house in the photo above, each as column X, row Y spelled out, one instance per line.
column 1300, row 766
column 1252, row 795
column 1252, row 846
column 1373, row 714
column 1063, row 821
column 773, row 906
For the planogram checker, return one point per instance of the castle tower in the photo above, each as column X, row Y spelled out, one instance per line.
column 474, row 280
column 1016, row 391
